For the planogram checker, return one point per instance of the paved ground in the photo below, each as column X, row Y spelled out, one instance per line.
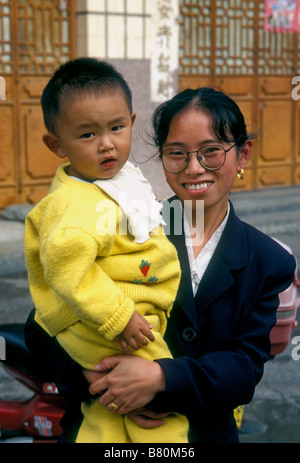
column 274, row 414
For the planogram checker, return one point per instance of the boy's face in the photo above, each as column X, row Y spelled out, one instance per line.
column 94, row 133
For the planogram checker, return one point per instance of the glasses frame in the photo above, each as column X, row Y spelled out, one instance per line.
column 198, row 157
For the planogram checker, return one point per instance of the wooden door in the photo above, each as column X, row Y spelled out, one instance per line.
column 223, row 44
column 36, row 36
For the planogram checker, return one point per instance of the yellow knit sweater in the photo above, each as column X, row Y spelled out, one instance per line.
column 87, row 275
column 78, row 271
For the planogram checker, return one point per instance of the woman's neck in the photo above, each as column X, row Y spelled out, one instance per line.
column 213, row 217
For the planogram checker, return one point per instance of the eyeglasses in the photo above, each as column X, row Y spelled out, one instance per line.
column 211, row 157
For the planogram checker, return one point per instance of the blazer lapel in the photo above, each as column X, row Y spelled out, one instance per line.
column 230, row 254
column 175, row 232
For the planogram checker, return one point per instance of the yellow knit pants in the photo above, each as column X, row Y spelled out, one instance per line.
column 87, row 347
column 101, row 426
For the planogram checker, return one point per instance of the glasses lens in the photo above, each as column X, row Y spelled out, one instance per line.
column 212, row 157
column 174, row 160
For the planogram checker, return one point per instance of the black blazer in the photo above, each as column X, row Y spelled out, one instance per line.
column 220, row 338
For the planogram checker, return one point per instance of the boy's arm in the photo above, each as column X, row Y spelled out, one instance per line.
column 82, row 289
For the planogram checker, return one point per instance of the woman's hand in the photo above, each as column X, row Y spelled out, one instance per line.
column 148, row 419
column 92, row 376
column 130, row 382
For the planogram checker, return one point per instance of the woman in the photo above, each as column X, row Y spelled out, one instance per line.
column 226, row 305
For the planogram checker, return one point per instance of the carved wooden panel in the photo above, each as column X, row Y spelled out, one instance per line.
column 39, row 162
column 276, row 136
column 223, row 44
column 36, row 36
column 7, row 160
column 274, row 176
column 7, row 141
column 297, row 175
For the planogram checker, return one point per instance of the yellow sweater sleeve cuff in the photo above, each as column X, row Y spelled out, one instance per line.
column 117, row 322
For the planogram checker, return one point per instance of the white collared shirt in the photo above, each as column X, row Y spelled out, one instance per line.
column 199, row 264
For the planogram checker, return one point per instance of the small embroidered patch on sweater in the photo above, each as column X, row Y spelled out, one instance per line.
column 144, row 268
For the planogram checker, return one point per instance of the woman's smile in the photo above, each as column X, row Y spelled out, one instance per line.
column 198, row 187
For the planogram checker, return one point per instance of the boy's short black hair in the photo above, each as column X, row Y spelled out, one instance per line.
column 78, row 75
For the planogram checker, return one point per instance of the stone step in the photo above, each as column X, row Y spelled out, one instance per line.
column 273, row 211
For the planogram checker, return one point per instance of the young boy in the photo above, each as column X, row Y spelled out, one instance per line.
column 99, row 288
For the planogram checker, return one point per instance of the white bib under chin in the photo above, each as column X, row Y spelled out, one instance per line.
column 134, row 194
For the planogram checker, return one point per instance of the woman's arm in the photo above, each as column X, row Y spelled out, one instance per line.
column 54, row 364
column 226, row 378
column 223, row 378
column 72, row 381
column 220, row 379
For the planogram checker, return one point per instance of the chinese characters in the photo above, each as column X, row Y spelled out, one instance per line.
column 165, row 50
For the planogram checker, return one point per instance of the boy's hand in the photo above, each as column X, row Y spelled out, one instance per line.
column 135, row 333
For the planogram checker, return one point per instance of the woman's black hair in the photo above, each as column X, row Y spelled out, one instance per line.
column 228, row 122
column 78, row 75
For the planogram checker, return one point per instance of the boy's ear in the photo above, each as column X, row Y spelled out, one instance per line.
column 53, row 144
column 133, row 118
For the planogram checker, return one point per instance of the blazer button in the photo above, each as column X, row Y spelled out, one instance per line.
column 189, row 335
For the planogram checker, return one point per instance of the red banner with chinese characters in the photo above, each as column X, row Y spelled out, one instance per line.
column 282, row 16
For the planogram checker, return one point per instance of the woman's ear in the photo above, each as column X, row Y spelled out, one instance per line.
column 244, row 154
column 53, row 144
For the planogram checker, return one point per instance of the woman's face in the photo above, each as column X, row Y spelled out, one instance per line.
column 189, row 131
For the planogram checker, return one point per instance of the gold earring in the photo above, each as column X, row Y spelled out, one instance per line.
column 240, row 174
